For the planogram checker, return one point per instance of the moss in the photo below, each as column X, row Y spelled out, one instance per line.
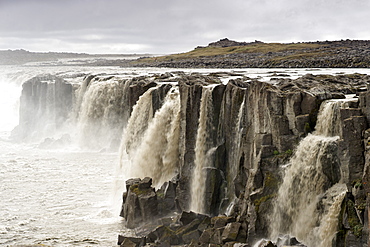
column 160, row 194
column 353, row 221
column 307, row 128
column 270, row 181
column 135, row 188
column 257, row 203
column 357, row 184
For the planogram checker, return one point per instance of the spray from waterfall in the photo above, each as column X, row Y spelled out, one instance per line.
column 202, row 153
column 153, row 145
column 141, row 116
column 305, row 184
column 99, row 121
column 9, row 103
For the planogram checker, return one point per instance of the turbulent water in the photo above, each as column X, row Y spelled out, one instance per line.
column 66, row 195
column 150, row 146
column 306, row 185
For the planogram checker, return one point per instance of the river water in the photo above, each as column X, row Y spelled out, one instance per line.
column 67, row 196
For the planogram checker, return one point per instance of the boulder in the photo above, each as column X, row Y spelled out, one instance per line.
column 190, row 236
column 231, row 232
column 131, row 241
column 221, row 221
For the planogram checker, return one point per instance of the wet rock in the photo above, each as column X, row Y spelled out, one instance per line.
column 265, row 243
column 188, row 217
column 140, row 202
column 131, row 241
column 190, row 236
column 231, row 232
column 145, row 183
column 216, row 237
column 221, row 221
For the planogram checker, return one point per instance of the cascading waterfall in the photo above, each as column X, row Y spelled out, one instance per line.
column 234, row 157
column 306, row 184
column 99, row 121
column 153, row 151
column 202, row 153
column 141, row 116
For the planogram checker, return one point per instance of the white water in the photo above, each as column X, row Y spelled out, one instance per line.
column 99, row 121
column 304, row 186
column 153, row 144
column 202, row 153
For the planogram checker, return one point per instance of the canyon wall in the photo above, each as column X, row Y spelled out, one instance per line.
column 227, row 148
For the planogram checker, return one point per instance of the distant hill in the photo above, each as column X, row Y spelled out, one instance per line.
column 226, row 53
column 20, row 57
column 14, row 57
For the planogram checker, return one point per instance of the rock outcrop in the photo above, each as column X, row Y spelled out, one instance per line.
column 252, row 129
column 234, row 143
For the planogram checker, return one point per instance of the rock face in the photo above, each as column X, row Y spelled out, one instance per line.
column 252, row 129
column 43, row 106
column 234, row 144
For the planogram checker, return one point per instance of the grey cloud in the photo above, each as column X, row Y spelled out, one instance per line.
column 175, row 26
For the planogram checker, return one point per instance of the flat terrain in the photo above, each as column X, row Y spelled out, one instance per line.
column 231, row 54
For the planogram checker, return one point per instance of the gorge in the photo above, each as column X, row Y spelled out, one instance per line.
column 276, row 160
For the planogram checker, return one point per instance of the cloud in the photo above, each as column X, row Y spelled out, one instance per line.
column 167, row 26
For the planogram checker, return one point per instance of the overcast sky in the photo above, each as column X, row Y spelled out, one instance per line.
column 173, row 26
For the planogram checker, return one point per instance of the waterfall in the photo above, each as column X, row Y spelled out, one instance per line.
column 233, row 158
column 202, row 153
column 307, row 184
column 99, row 121
column 153, row 145
column 141, row 116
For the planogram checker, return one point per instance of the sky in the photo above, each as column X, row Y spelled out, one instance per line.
column 174, row 26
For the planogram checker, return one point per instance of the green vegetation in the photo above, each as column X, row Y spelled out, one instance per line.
column 307, row 128
column 353, row 221
column 299, row 49
column 285, row 154
column 257, row 203
column 135, row 188
column 270, row 181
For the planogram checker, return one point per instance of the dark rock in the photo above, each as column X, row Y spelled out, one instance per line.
column 190, row 236
column 145, row 183
column 131, row 241
column 216, row 237
column 231, row 232
column 265, row 243
column 132, row 181
column 221, row 221
column 188, row 217
column 206, row 235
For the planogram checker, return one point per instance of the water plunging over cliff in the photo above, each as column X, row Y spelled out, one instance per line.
column 202, row 153
column 308, row 201
column 151, row 144
column 100, row 114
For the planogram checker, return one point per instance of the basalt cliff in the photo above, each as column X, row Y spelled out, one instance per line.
column 227, row 164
